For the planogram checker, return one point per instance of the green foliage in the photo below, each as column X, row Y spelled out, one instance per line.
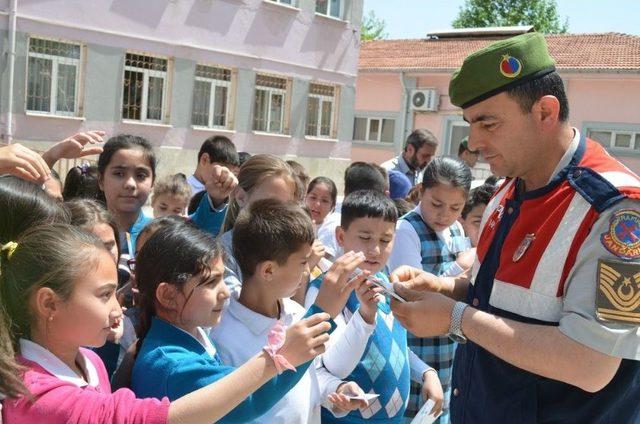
column 372, row 28
column 542, row 14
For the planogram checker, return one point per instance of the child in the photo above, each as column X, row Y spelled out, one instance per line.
column 272, row 243
column 471, row 215
column 50, row 277
column 321, row 198
column 215, row 150
column 431, row 238
column 170, row 196
column 367, row 225
column 81, row 182
column 181, row 294
column 261, row 177
column 126, row 171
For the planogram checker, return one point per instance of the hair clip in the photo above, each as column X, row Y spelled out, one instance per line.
column 84, row 168
column 10, row 247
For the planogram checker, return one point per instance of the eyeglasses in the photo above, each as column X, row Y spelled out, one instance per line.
column 131, row 263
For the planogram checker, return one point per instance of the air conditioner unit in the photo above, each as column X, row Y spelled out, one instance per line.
column 424, row 99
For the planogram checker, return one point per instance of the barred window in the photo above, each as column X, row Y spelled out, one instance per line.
column 53, row 75
column 332, row 8
column 288, row 2
column 320, row 111
column 211, row 97
column 269, row 104
column 144, row 88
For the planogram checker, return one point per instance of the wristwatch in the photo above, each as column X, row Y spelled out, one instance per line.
column 455, row 328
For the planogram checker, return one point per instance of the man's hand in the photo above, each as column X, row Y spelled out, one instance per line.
column 427, row 316
column 415, row 279
column 24, row 163
column 77, row 146
column 219, row 184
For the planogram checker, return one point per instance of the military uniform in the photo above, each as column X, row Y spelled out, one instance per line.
column 566, row 255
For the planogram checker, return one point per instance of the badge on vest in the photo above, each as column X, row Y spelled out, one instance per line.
column 618, row 295
column 524, row 245
column 623, row 236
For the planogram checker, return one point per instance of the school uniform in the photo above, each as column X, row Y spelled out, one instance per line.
column 242, row 333
column 417, row 245
column 207, row 217
column 173, row 363
column 195, row 184
column 327, row 232
column 59, row 395
column 385, row 368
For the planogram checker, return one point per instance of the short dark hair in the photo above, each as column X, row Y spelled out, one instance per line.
column 528, row 93
column 480, row 195
column 449, row 171
column 243, row 157
column 367, row 204
column 220, row 149
column 419, row 138
column 269, row 230
column 363, row 176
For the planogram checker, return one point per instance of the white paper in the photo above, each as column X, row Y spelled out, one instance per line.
column 367, row 396
column 423, row 416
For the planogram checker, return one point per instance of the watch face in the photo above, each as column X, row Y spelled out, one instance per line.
column 458, row 338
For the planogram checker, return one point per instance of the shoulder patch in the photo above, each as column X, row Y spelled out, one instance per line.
column 618, row 295
column 623, row 236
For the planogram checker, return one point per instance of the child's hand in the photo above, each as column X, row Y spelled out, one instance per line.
column 369, row 297
column 317, row 252
column 341, row 403
column 432, row 389
column 336, row 286
column 77, row 146
column 24, row 163
column 466, row 258
column 305, row 339
column 220, row 184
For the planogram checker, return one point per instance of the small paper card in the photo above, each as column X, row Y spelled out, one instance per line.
column 424, row 416
column 367, row 396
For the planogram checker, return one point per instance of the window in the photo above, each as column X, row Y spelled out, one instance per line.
column 145, row 88
column 270, row 104
column 616, row 139
column 374, row 130
column 211, row 97
column 320, row 111
column 287, row 2
column 332, row 8
column 456, row 131
column 53, row 75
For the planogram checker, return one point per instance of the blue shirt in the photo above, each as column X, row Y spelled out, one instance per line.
column 208, row 218
column 128, row 245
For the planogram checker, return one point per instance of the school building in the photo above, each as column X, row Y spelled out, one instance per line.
column 403, row 85
column 275, row 76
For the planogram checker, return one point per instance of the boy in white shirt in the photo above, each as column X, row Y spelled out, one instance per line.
column 271, row 244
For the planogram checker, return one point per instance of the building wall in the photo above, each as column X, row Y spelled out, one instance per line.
column 249, row 36
column 596, row 101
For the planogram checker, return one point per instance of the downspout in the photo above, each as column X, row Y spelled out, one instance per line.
column 405, row 109
column 13, row 10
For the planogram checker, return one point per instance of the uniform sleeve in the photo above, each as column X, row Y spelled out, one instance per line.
column 579, row 321
column 347, row 347
column 417, row 367
column 327, row 233
column 208, row 218
column 406, row 247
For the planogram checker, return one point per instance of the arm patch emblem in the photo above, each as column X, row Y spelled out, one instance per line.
column 623, row 236
column 618, row 293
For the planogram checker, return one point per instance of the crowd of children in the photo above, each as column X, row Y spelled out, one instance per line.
column 251, row 295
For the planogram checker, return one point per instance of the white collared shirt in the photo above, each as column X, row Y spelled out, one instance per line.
column 242, row 333
column 54, row 365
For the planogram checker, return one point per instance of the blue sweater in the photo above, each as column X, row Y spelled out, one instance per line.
column 207, row 218
column 173, row 363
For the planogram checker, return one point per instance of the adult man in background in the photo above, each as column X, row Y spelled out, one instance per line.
column 419, row 148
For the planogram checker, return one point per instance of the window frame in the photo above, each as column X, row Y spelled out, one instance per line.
column 229, row 85
column 144, row 101
column 56, row 61
column 328, row 12
column 318, row 119
column 379, row 141
column 615, row 129
column 271, row 91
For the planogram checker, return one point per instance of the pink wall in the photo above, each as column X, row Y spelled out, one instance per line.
column 378, row 92
column 603, row 98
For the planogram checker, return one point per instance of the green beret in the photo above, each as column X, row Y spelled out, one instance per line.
column 499, row 67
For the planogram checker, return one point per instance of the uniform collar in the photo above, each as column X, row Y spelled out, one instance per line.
column 257, row 323
column 177, row 335
column 53, row 365
column 140, row 223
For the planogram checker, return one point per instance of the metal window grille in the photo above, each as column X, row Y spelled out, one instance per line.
column 53, row 71
column 269, row 104
column 320, row 109
column 211, row 97
column 332, row 8
column 144, row 88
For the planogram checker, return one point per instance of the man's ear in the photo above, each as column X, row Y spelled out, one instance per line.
column 547, row 111
column 410, row 150
column 340, row 236
column 166, row 296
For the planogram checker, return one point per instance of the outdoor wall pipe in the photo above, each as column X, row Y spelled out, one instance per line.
column 13, row 10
